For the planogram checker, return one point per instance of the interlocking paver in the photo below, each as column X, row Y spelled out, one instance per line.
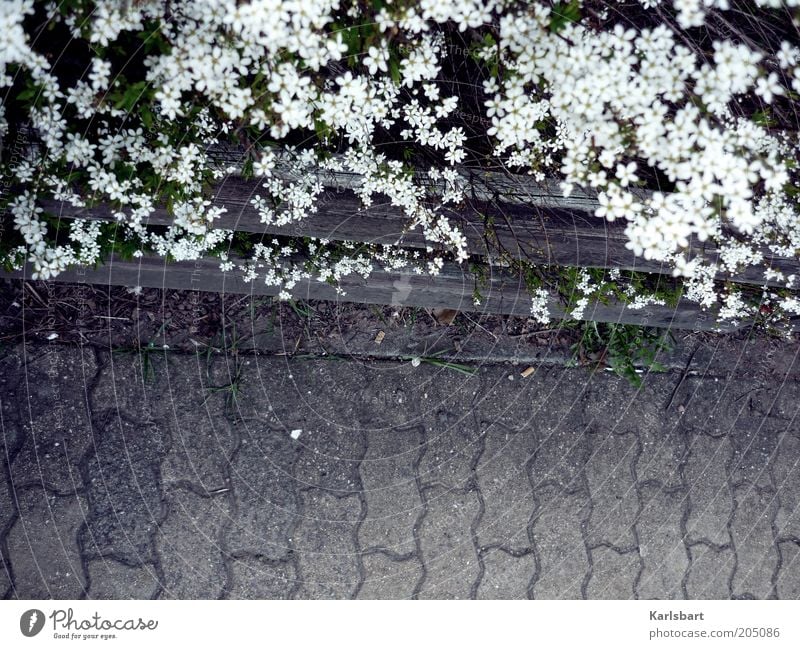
column 185, row 397
column 612, row 400
column 786, row 470
column 502, row 477
column 404, row 482
column 446, row 544
column 190, row 548
column 326, row 547
column 129, row 383
column 615, row 501
column 662, row 454
column 506, row 576
column 319, row 400
column 51, row 398
column 43, row 547
column 452, row 442
column 613, row 574
column 8, row 511
column 109, row 579
column 661, row 544
column 255, row 578
column 710, row 572
column 265, row 490
column 756, row 554
column 709, row 489
column 387, row 578
column 123, row 488
column 754, row 445
column 788, row 583
column 562, row 556
column 560, row 456
column 390, row 489
column 713, row 405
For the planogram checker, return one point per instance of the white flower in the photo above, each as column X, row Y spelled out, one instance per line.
column 626, row 174
column 768, row 87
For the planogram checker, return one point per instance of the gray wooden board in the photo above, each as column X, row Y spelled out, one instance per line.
column 539, row 236
column 502, row 293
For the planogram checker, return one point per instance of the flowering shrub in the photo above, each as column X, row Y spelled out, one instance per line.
column 676, row 113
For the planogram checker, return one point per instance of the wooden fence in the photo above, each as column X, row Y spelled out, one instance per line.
column 528, row 221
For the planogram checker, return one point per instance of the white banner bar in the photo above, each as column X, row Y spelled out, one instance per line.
column 355, row 625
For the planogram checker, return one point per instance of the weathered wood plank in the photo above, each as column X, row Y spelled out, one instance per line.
column 502, row 293
column 540, row 237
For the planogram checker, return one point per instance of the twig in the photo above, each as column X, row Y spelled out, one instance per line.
column 684, row 374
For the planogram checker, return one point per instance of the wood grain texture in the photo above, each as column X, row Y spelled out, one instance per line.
column 502, row 293
column 537, row 235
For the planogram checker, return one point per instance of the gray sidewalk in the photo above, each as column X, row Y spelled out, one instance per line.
column 403, row 482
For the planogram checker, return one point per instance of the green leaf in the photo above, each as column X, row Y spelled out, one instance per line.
column 564, row 13
column 394, row 70
column 26, row 94
column 247, row 169
column 147, row 117
column 131, row 96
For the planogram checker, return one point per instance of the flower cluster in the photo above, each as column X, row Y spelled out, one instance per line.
column 676, row 141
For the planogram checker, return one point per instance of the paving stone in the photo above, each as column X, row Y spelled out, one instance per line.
column 610, row 399
column 265, row 490
column 615, row 501
column 386, row 578
column 123, row 487
column 109, row 579
column 325, row 546
column 317, row 399
column 613, row 574
column 189, row 546
column 198, row 422
column 754, row 444
column 129, row 382
column 390, row 489
column 661, row 544
column 43, row 548
column 452, row 442
column 506, row 576
column 176, row 397
column 255, row 578
column 560, row 547
column 309, row 394
column 446, row 544
column 5, row 578
column 711, row 405
column 786, row 470
column 789, row 574
column 329, row 457
column 709, row 491
column 781, row 400
column 663, row 451
column 502, row 475
column 710, row 572
column 12, row 376
column 561, row 456
column 8, row 512
column 51, row 399
column 756, row 554
column 364, row 426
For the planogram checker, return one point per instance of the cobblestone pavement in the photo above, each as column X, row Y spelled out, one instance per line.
column 181, row 477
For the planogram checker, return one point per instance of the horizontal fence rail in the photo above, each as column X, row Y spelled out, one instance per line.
column 507, row 219
column 501, row 292
column 540, row 237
